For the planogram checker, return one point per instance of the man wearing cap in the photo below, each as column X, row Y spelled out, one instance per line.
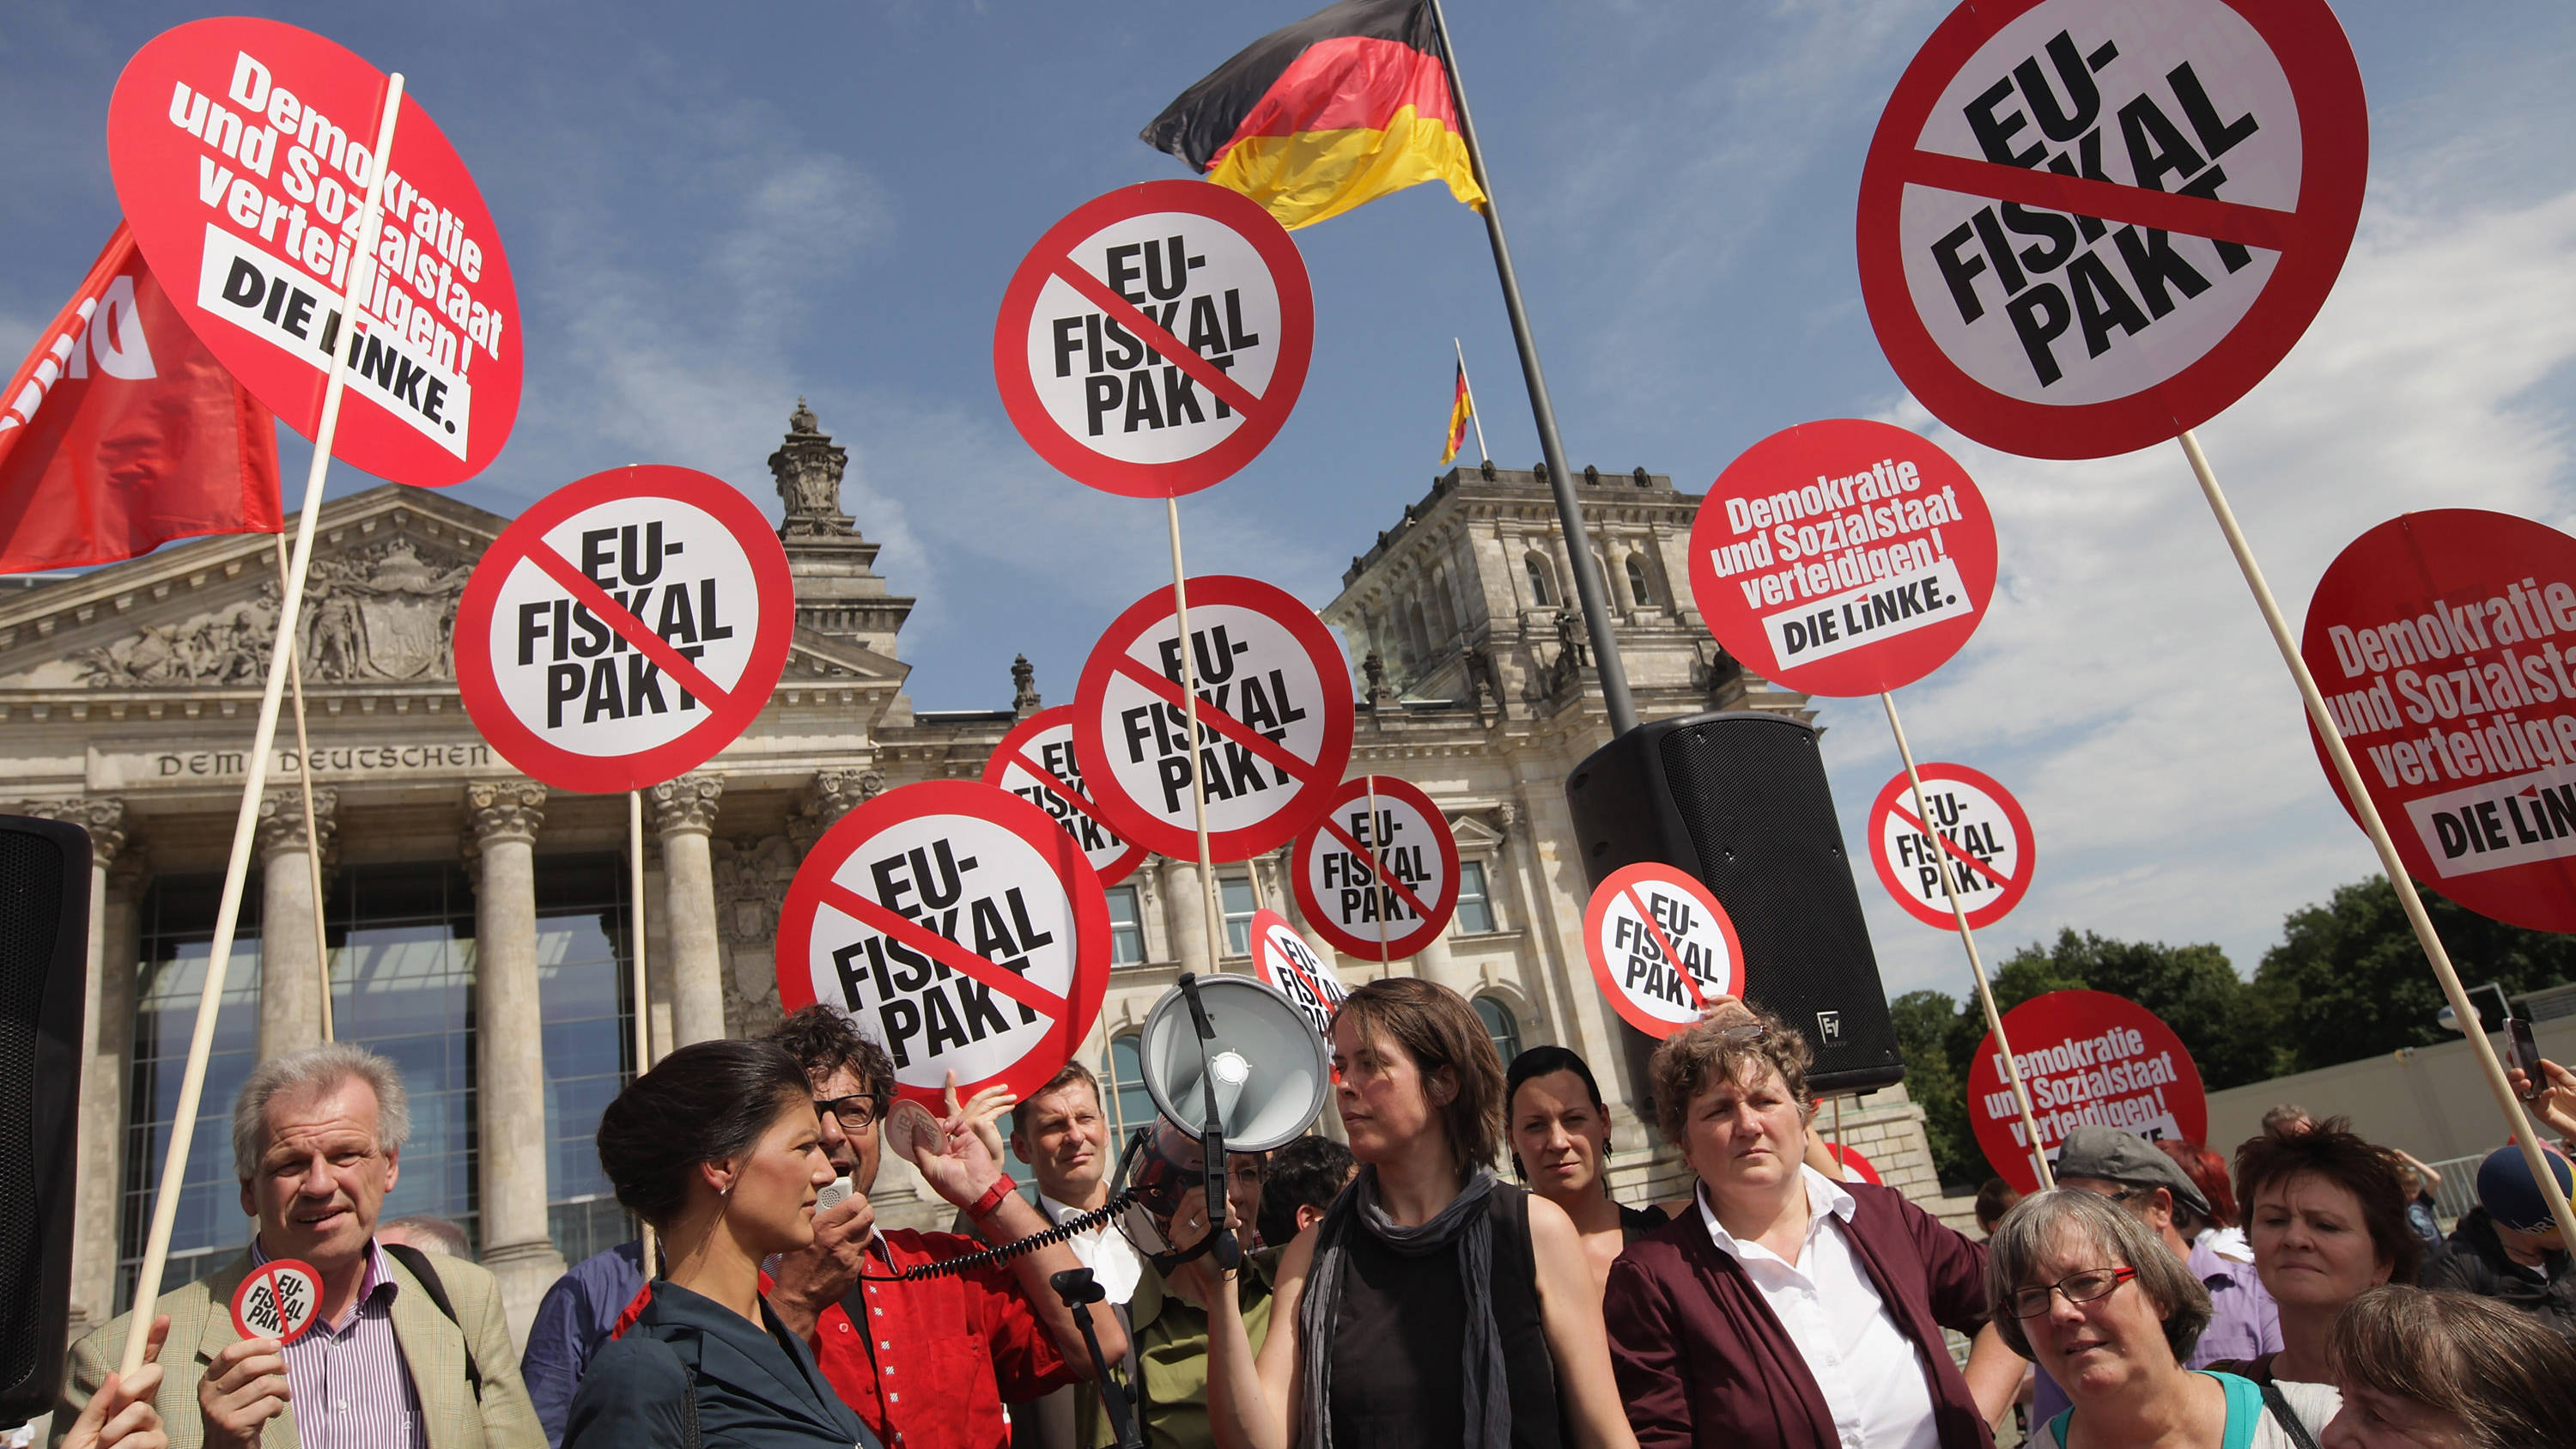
column 2124, row 1168
column 2508, row 1247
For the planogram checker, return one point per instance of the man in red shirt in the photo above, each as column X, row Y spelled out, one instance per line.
column 927, row 1364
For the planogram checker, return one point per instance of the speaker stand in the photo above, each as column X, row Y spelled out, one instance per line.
column 1080, row 1290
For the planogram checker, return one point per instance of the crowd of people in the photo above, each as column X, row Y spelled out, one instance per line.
column 1397, row 1289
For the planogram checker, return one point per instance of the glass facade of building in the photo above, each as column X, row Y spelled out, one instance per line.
column 402, row 984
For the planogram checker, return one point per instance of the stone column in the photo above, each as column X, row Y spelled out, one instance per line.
column 290, row 978
column 501, row 822
column 1187, row 913
column 107, row 998
column 684, row 815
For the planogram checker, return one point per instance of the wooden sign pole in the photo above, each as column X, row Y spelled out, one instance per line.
column 192, row 1082
column 2389, row 862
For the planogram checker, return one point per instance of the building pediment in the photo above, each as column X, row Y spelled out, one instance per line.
column 388, row 568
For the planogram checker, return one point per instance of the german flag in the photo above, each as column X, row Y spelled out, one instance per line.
column 1462, row 407
column 1343, row 107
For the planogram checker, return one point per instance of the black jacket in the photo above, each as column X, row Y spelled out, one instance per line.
column 2471, row 1260
column 688, row 1358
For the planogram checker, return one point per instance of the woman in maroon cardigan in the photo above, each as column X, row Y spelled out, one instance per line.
column 1789, row 1309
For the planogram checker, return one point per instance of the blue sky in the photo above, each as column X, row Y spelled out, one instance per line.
column 712, row 210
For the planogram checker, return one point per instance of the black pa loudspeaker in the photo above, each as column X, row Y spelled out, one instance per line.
column 44, row 961
column 1738, row 799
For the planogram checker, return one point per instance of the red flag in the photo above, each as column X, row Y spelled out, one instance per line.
column 122, row 432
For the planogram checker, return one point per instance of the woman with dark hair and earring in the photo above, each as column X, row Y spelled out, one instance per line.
column 719, row 1149
column 1560, row 1146
column 1434, row 1306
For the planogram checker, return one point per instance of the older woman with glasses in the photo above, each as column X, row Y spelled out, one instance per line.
column 2088, row 1293
column 1784, row 1307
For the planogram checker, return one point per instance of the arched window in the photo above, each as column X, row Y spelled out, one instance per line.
column 1639, row 589
column 1541, row 581
column 1500, row 1026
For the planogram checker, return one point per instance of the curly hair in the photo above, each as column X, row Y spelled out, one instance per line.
column 1692, row 1060
column 823, row 1042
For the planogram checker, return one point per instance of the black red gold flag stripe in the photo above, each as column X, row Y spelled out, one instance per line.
column 1462, row 406
column 1341, row 108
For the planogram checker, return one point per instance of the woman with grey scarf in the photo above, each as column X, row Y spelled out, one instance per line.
column 1434, row 1305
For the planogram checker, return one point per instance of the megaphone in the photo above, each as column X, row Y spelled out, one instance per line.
column 1232, row 1066
column 1264, row 1060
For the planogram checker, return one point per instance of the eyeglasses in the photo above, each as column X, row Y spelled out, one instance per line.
column 857, row 1112
column 2081, row 1287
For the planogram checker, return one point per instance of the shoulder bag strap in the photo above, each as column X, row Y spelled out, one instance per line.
column 2287, row 1417
column 418, row 1263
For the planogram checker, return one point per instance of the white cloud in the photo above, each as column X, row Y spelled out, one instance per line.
column 2125, row 687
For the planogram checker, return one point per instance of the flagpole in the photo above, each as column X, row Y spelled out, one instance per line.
column 1589, row 587
column 304, row 781
column 192, row 1081
column 1473, row 416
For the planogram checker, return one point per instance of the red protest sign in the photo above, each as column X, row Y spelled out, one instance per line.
column 1982, row 836
column 241, row 151
column 2443, row 642
column 625, row 628
column 1843, row 557
column 1382, row 888
column 2086, row 1057
column 1036, row 762
column 1856, row 1168
column 1642, row 919
column 1283, row 960
column 1274, row 719
column 2086, row 225
column 279, row 1300
column 1154, row 341
column 958, row 927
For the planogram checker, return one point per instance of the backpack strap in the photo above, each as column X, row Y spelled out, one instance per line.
column 2287, row 1417
column 417, row 1262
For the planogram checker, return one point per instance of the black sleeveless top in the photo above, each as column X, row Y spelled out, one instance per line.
column 1399, row 1340
column 1635, row 1223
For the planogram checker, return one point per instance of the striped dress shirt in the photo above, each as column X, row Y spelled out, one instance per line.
column 350, row 1387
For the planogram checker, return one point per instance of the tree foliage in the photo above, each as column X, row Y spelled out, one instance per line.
column 2346, row 981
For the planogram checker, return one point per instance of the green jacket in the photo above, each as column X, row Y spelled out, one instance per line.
column 1172, row 1347
column 201, row 1324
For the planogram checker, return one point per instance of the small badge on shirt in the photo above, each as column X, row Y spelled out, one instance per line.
column 279, row 1300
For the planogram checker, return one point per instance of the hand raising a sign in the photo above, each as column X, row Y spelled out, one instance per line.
column 121, row 1414
column 244, row 1388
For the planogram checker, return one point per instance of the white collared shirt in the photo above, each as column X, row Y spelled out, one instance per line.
column 1872, row 1377
column 1104, row 1250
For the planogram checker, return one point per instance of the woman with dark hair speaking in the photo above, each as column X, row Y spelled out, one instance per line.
column 1785, row 1308
column 1434, row 1305
column 719, row 1149
column 1560, row 1146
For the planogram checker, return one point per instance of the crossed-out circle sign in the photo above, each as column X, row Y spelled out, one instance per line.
column 625, row 629
column 280, row 1299
column 242, row 153
column 1381, row 887
column 2086, row 225
column 1036, row 762
column 1977, row 831
column 1638, row 923
column 1274, row 719
column 1856, row 1168
column 956, row 925
column 2086, row 1057
column 2445, row 644
column 1843, row 557
column 1282, row 959
column 1154, row 341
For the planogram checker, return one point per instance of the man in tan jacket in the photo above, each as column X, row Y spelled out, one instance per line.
column 403, row 1354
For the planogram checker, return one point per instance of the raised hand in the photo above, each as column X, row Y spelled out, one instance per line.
column 244, row 1388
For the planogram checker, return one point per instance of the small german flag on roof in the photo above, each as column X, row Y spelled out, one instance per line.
column 1339, row 109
